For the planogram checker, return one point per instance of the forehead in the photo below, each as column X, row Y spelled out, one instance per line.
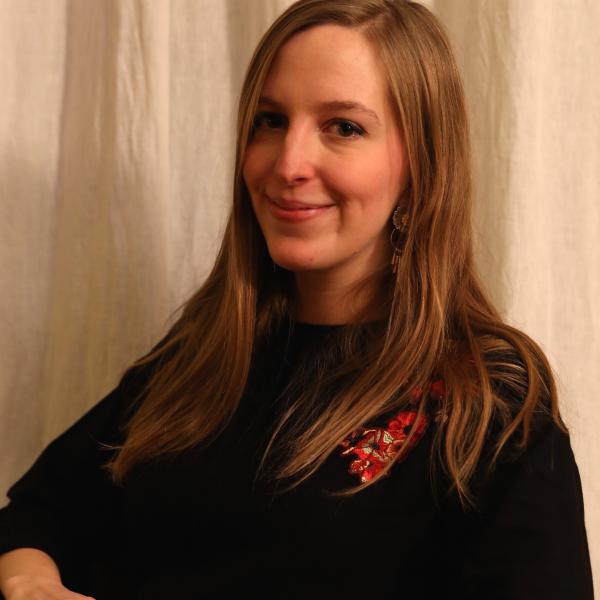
column 327, row 62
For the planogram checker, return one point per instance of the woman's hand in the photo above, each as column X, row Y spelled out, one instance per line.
column 30, row 574
column 36, row 587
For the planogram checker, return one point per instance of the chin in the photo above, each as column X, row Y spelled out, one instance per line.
column 294, row 264
column 294, row 260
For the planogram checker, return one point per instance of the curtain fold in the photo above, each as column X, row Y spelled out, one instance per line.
column 117, row 123
column 111, row 211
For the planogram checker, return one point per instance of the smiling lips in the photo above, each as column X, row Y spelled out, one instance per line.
column 293, row 210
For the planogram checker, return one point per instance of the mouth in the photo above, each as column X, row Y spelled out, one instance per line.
column 292, row 205
column 293, row 210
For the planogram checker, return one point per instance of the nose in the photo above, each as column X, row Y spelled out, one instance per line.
column 297, row 155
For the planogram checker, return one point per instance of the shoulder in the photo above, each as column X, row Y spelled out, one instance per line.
column 527, row 439
column 500, row 401
column 524, row 393
column 103, row 424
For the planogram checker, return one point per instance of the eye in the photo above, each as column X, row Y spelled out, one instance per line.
column 347, row 129
column 268, row 120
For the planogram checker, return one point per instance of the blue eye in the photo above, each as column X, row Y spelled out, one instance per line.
column 268, row 120
column 348, row 129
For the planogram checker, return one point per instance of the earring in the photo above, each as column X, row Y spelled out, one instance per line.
column 398, row 235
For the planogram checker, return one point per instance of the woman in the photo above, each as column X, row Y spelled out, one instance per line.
column 339, row 408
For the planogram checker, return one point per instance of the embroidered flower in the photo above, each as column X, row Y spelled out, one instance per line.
column 373, row 448
column 437, row 390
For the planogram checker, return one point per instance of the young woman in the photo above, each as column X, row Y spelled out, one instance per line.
column 340, row 409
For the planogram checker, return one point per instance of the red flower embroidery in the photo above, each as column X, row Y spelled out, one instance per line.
column 375, row 447
column 437, row 390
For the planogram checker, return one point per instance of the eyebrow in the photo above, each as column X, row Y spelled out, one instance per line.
column 332, row 105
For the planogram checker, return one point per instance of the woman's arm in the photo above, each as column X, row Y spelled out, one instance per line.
column 29, row 573
column 62, row 510
column 59, row 509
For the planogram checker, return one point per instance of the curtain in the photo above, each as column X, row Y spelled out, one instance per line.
column 116, row 150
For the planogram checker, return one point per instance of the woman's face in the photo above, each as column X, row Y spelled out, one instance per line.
column 326, row 164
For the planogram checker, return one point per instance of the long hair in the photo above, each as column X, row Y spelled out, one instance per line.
column 439, row 321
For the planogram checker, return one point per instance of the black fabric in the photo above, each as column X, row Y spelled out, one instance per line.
column 202, row 526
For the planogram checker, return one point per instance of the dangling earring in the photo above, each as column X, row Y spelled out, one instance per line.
column 398, row 235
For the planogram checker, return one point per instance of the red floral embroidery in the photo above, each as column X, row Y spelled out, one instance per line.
column 375, row 447
column 437, row 390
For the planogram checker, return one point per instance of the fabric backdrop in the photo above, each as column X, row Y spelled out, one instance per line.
column 116, row 149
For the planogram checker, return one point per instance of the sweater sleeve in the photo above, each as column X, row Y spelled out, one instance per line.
column 64, row 504
column 527, row 540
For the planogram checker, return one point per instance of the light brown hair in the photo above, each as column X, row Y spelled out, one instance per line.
column 439, row 321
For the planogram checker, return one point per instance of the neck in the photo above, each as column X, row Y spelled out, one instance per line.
column 323, row 300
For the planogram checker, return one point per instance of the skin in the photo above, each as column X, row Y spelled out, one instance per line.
column 27, row 574
column 324, row 178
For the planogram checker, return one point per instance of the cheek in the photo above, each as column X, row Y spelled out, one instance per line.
column 384, row 179
column 257, row 166
column 367, row 185
column 348, row 177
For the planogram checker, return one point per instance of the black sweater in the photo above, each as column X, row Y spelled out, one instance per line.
column 203, row 526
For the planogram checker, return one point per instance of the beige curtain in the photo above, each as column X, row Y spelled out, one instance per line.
column 116, row 139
